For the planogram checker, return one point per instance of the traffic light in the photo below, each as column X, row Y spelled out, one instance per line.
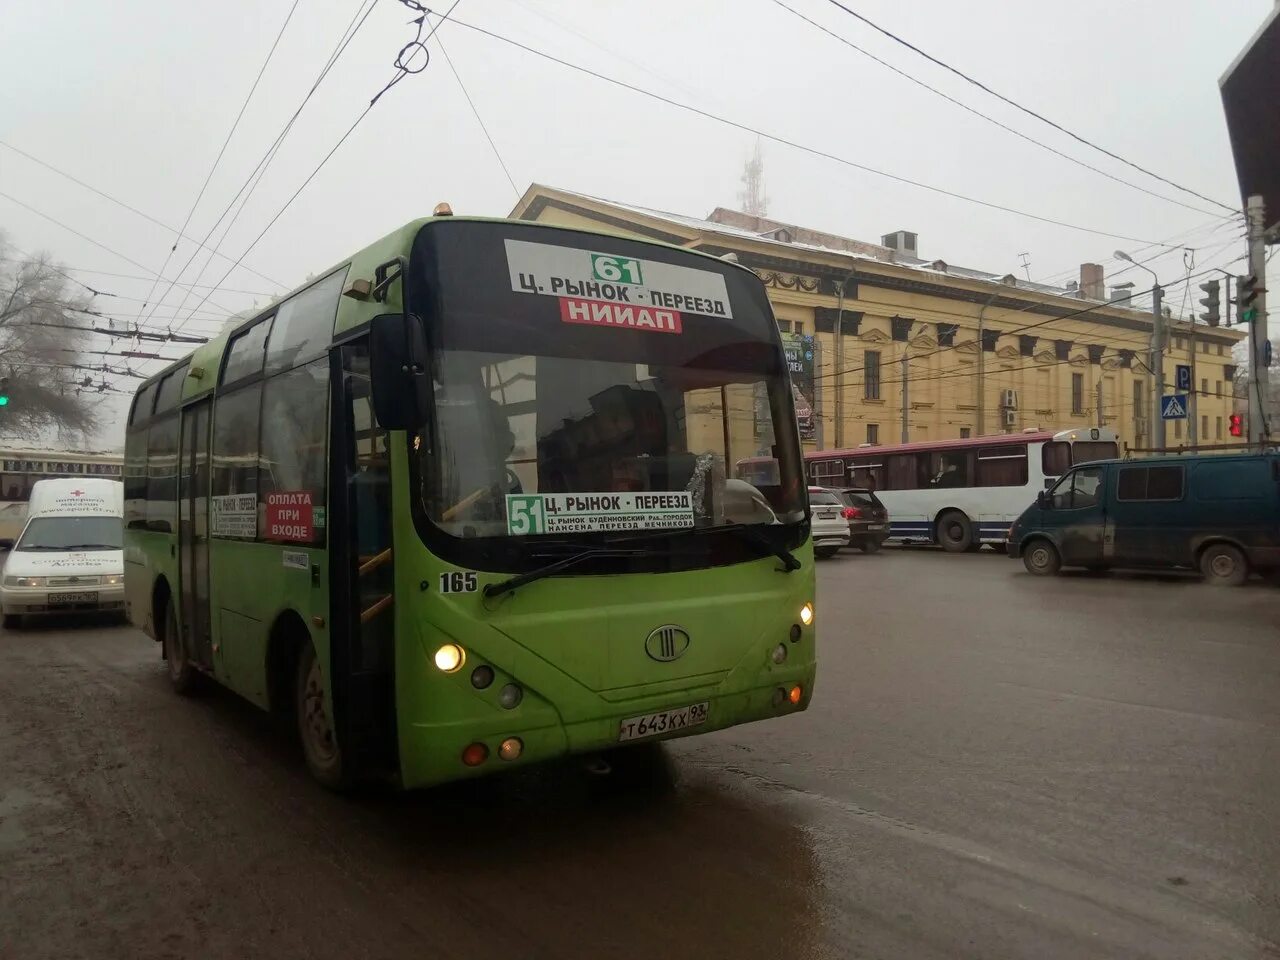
column 1236, row 424
column 1212, row 301
column 1246, row 294
column 4, row 391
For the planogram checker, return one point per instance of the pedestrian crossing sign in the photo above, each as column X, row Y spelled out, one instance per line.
column 1173, row 407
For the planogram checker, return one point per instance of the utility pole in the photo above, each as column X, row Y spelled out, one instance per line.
column 1098, row 401
column 1157, row 365
column 1259, row 352
column 980, row 421
column 839, row 328
column 906, row 405
column 1193, row 398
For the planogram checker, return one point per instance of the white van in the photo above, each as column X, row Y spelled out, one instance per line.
column 69, row 557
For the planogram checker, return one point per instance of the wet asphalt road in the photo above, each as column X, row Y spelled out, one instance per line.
column 993, row 766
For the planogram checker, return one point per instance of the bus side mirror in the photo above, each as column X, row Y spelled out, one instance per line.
column 398, row 371
column 6, row 543
column 1043, row 500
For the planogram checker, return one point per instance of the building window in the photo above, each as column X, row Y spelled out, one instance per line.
column 1217, row 428
column 798, row 327
column 871, row 375
column 1177, row 429
column 1077, row 393
column 1219, row 349
column 965, row 433
column 1179, row 343
column 1217, row 388
column 784, row 326
column 1139, row 410
column 873, row 433
column 1204, row 427
column 1204, row 386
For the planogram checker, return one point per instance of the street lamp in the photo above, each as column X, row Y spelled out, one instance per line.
column 1157, row 349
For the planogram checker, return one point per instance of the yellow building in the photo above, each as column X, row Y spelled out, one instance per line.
column 983, row 354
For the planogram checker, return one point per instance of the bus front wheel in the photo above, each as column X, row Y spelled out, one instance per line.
column 1041, row 558
column 955, row 532
column 315, row 723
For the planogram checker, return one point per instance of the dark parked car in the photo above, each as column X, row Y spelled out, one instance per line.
column 867, row 516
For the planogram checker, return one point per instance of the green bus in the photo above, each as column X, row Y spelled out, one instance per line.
column 461, row 504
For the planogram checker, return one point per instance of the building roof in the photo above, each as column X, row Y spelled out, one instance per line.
column 685, row 231
column 835, row 245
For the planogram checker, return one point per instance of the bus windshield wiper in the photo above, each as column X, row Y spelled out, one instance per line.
column 744, row 531
column 92, row 546
column 522, row 579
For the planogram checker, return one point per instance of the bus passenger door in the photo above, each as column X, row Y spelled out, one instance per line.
column 361, row 568
column 193, row 531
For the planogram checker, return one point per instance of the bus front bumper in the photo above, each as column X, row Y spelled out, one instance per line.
column 41, row 601
column 433, row 753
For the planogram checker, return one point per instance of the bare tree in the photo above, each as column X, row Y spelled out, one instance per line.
column 41, row 324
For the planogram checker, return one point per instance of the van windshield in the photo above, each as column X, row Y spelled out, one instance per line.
column 73, row 533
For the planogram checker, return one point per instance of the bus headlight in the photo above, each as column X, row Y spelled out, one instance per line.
column 449, row 658
column 113, row 580
column 806, row 614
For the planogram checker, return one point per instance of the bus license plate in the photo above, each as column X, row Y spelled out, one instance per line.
column 58, row 599
column 667, row 721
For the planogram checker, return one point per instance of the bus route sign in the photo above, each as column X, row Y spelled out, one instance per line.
column 538, row 513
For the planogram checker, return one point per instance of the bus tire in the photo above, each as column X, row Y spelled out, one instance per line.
column 1041, row 558
column 12, row 621
column 183, row 676
column 954, row 531
column 315, row 724
column 1223, row 565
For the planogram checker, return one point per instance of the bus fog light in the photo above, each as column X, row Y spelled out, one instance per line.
column 806, row 614
column 510, row 696
column 475, row 754
column 795, row 694
column 482, row 676
column 779, row 653
column 511, row 748
column 449, row 658
column 795, row 632
column 779, row 697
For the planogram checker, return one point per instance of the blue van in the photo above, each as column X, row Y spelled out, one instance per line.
column 1216, row 514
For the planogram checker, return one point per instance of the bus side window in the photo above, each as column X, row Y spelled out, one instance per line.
column 901, row 472
column 1055, row 458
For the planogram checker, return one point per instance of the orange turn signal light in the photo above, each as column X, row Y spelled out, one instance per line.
column 794, row 694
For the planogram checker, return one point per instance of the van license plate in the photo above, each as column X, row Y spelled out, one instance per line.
column 667, row 721
column 57, row 599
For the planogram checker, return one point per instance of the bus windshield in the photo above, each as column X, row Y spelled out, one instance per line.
column 562, row 415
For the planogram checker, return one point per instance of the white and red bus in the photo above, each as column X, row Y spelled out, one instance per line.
column 958, row 493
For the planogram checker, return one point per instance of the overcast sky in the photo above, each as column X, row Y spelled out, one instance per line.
column 135, row 97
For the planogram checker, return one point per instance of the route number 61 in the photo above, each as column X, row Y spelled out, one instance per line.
column 615, row 269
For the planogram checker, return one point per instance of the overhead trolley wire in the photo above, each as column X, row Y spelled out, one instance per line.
column 349, row 33
column 978, row 113
column 1027, row 110
column 403, row 69
column 223, row 149
column 181, row 235
column 784, row 141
